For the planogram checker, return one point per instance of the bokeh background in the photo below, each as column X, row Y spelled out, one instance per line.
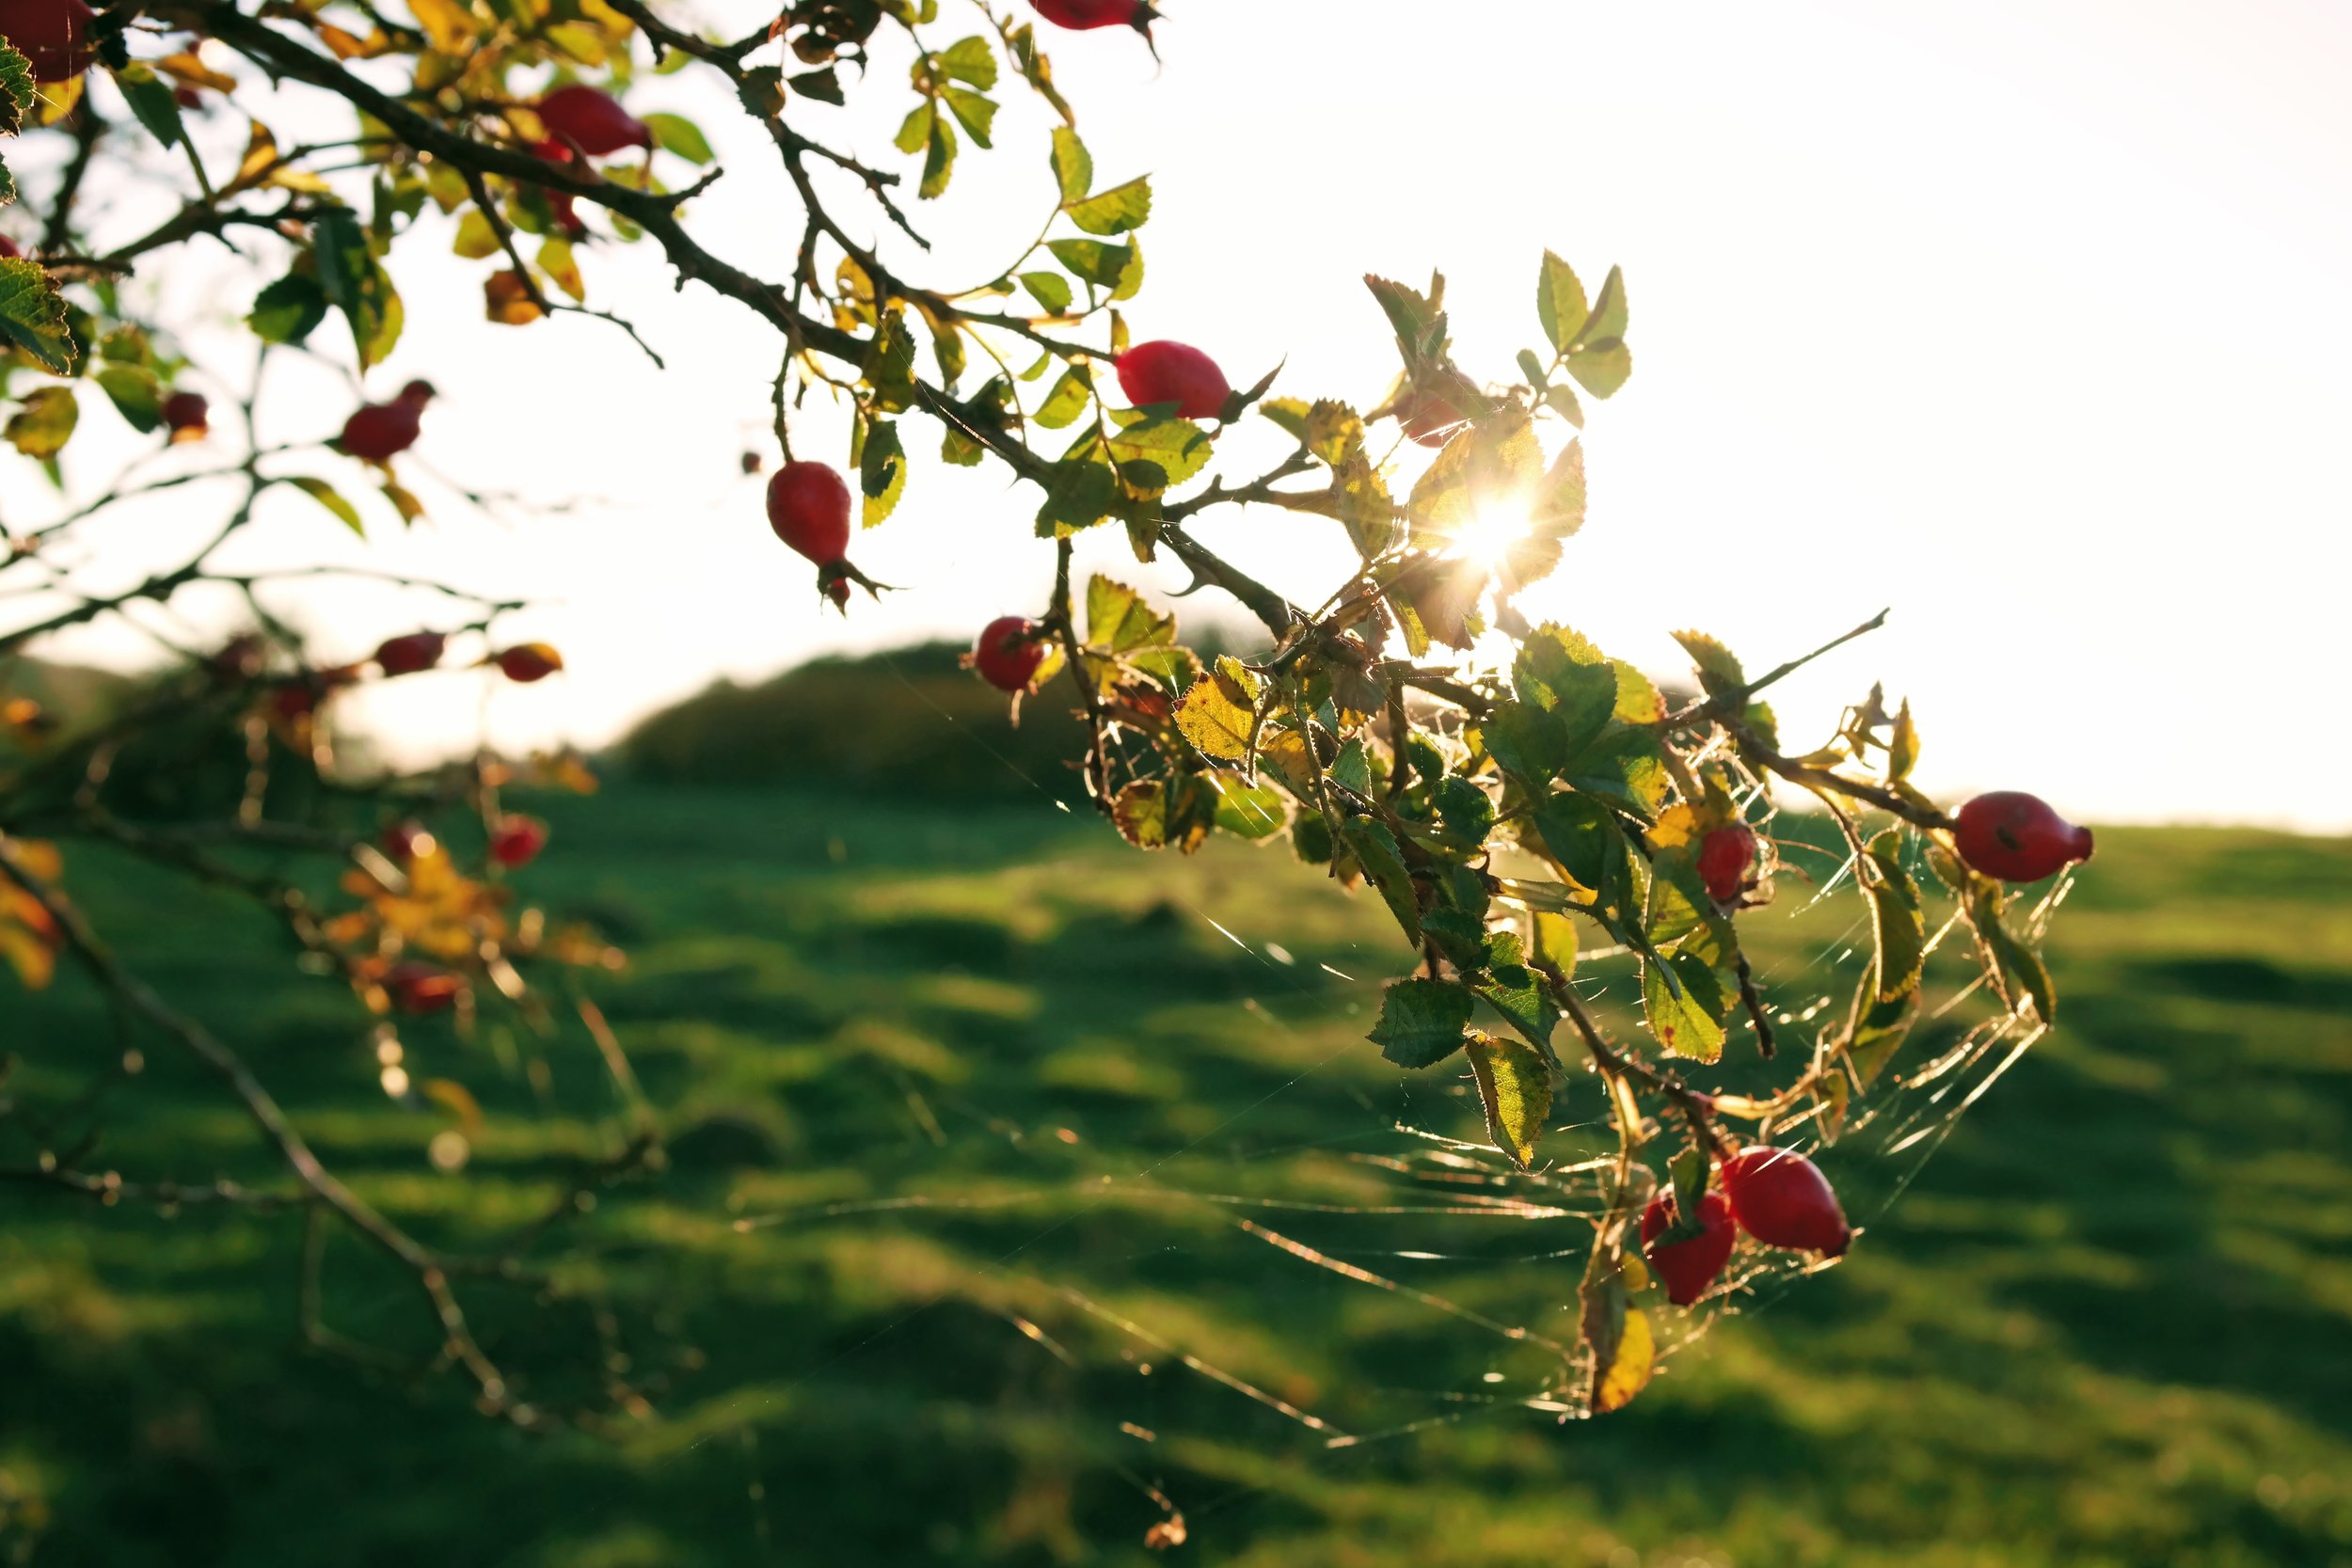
column 2024, row 319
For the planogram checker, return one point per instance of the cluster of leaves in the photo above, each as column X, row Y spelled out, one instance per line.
column 1521, row 804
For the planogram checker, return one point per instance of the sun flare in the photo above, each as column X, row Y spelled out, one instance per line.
column 1493, row 528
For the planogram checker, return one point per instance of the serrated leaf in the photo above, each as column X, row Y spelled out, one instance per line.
column 1049, row 289
column 152, row 101
column 1218, row 712
column 44, row 423
column 823, row 86
column 1560, row 303
column 1608, row 320
column 1515, row 1090
column 1685, row 1007
column 1875, row 1029
column 680, row 137
column 1117, row 211
column 1560, row 671
column 32, row 313
column 1719, row 668
column 1073, row 166
column 1555, row 942
column 939, row 160
column 1178, row 448
column 1897, row 923
column 1069, row 399
column 1375, row 849
column 2023, row 966
column 332, row 499
column 1629, row 1370
column 1602, row 369
column 970, row 60
column 1248, row 811
column 19, row 92
column 975, row 112
column 449, row 26
column 1421, row 1022
column 1628, row 766
column 1515, row 991
column 1120, row 621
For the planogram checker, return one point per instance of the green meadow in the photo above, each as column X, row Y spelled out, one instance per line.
column 985, row 1136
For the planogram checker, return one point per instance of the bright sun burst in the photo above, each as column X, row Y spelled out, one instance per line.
column 1493, row 530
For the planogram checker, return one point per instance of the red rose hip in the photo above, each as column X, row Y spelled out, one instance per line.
column 404, row 841
column 593, row 120
column 1724, row 857
column 1782, row 1200
column 188, row 415
column 1084, row 15
column 52, row 35
column 379, row 431
column 527, row 662
column 2017, row 837
column 516, row 841
column 1008, row 653
column 1689, row 1267
column 1167, row 372
column 808, row 506
column 418, row 988
column 411, row 655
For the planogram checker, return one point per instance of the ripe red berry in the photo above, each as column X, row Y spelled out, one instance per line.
column 2017, row 837
column 561, row 204
column 188, row 415
column 1163, row 373
column 379, row 431
column 1689, row 1267
column 1724, row 856
column 188, row 97
column 808, row 506
column 593, row 120
column 52, row 35
column 10, row 251
column 418, row 988
column 526, row 663
column 1008, row 653
column 1081, row 15
column 516, row 841
column 411, row 655
column 406, row 840
column 1782, row 1200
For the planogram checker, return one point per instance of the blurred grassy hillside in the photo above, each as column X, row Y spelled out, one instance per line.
column 967, row 1108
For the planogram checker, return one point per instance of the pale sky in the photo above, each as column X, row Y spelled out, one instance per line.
column 2028, row 319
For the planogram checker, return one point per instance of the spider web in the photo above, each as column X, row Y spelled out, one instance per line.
column 1399, row 1223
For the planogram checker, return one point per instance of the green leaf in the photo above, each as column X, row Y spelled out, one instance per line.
column 32, row 313
column 1685, row 1007
column 975, row 113
column 1246, row 810
column 150, row 99
column 136, row 395
column 1602, row 369
column 2022, row 965
column 1050, row 290
column 1486, row 464
column 1069, row 399
column 1586, row 840
column 1153, row 814
column 1115, row 267
column 1608, row 321
column 970, row 60
column 882, row 471
column 1178, row 448
column 19, row 93
column 823, row 86
column 1903, row 750
column 1515, row 991
column 1293, row 414
column 914, row 131
column 1119, row 621
column 1467, row 811
column 332, row 499
column 680, row 137
column 46, row 423
column 357, row 285
column 1423, row 1022
column 1080, row 492
column 1560, row 303
column 1527, row 741
column 1515, row 1090
column 1117, row 211
column 1555, row 942
column 288, row 311
column 1628, row 766
column 1560, row 671
column 1876, row 1028
column 1375, row 849
column 939, row 160
column 1351, row 769
column 1073, row 166
column 1562, row 399
column 1897, row 922
column 1719, row 668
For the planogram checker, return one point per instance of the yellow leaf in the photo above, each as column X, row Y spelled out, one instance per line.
column 1218, row 712
column 1679, row 825
column 556, row 260
column 450, row 26
column 456, row 1100
column 194, row 72
column 1630, row 1373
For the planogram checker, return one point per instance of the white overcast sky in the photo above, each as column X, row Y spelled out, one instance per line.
column 2028, row 318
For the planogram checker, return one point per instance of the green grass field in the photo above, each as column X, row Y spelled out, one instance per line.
column 951, row 1097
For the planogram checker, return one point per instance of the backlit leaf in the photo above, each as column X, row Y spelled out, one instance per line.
column 1515, row 1090
column 1423, row 1022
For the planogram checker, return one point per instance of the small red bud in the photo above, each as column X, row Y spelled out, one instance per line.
column 188, row 415
column 516, row 841
column 411, row 655
column 527, row 662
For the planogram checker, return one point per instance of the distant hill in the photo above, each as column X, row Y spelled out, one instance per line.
column 906, row 724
